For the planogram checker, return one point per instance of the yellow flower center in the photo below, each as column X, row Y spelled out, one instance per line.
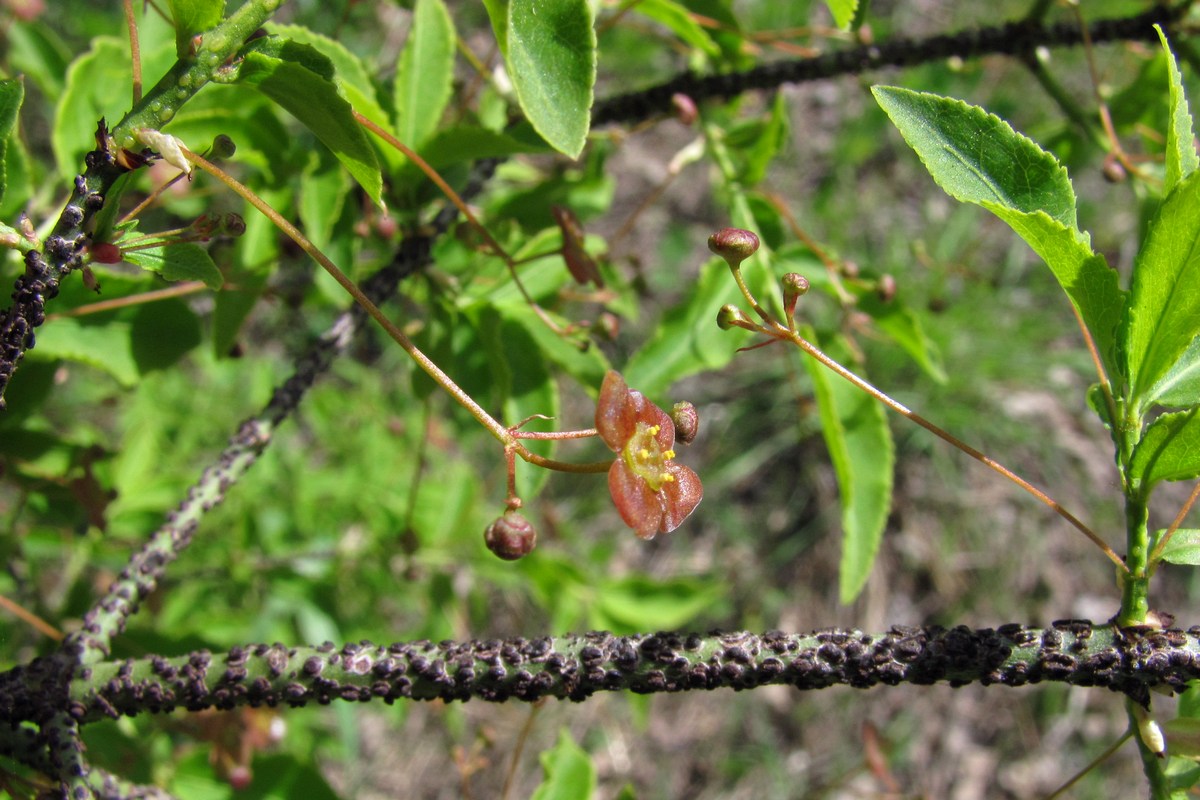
column 646, row 459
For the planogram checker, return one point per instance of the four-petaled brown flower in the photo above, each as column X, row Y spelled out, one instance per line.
column 652, row 493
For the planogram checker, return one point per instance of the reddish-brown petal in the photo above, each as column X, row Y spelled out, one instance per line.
column 640, row 506
column 616, row 415
column 679, row 497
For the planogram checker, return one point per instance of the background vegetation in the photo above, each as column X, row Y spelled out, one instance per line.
column 364, row 518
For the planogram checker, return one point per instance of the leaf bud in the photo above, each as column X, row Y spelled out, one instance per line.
column 510, row 536
column 734, row 245
column 687, row 421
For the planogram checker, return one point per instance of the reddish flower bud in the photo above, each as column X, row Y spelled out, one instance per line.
column 510, row 536
column 795, row 286
column 608, row 325
column 685, row 108
column 105, row 253
column 886, row 288
column 687, row 421
column 733, row 244
column 207, row 225
column 579, row 263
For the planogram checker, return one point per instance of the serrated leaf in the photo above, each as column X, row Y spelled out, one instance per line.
column 1181, row 148
column 860, row 445
column 1180, row 386
column 315, row 101
column 1093, row 287
column 12, row 93
column 1182, row 548
column 425, row 74
column 1164, row 307
column 178, row 262
column 552, row 63
column 351, row 76
column 192, row 17
column 1169, row 449
column 976, row 157
column 844, row 11
column 569, row 772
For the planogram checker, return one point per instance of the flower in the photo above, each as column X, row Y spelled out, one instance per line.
column 652, row 493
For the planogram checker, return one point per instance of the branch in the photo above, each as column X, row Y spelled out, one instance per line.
column 62, row 252
column 1077, row 652
column 1013, row 38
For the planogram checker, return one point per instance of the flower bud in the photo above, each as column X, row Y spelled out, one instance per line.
column 733, row 244
column 795, row 286
column 1114, row 172
column 222, row 147
column 207, row 225
column 687, row 421
column 105, row 253
column 233, row 225
column 510, row 536
column 685, row 108
column 608, row 326
column 886, row 288
column 730, row 316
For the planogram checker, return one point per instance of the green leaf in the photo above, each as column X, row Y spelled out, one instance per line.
column 904, row 327
column 639, row 603
column 1182, row 548
column 976, row 157
column 1092, row 286
column 773, row 136
column 676, row 18
column 570, row 773
column 192, row 17
column 351, row 76
column 860, row 445
column 552, row 63
column 1181, row 148
column 425, row 73
column 315, row 101
column 1164, row 307
column 688, row 340
column 178, row 262
column 87, row 96
column 34, row 50
column 1169, row 450
column 844, row 11
column 12, row 93
column 497, row 11
column 1180, row 386
column 161, row 333
column 101, row 345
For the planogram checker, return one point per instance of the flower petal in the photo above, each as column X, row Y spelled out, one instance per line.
column 679, row 497
column 616, row 415
column 640, row 506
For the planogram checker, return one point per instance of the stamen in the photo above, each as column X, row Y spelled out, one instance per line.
column 668, row 454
